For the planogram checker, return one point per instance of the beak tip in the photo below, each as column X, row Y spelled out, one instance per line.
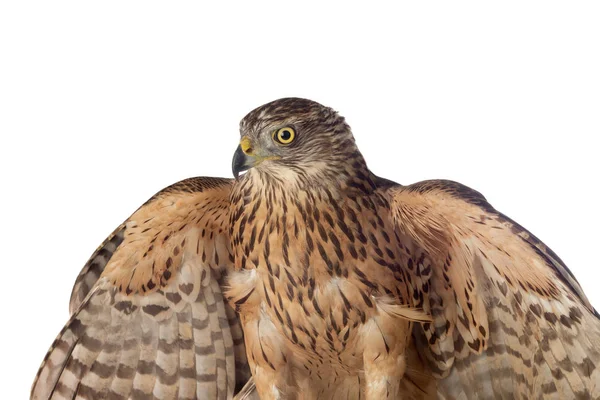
column 239, row 162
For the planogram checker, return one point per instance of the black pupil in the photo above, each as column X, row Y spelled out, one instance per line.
column 285, row 135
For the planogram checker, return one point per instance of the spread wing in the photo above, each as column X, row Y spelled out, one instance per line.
column 508, row 315
column 148, row 316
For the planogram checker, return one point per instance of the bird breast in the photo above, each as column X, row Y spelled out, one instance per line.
column 316, row 267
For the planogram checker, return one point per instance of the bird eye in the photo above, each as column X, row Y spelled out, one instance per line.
column 285, row 135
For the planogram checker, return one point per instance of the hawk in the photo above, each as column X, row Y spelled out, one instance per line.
column 310, row 277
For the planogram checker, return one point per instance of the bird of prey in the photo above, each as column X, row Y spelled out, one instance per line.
column 308, row 277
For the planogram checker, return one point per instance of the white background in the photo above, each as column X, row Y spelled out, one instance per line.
column 102, row 104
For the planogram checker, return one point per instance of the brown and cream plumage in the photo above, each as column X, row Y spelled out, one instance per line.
column 322, row 280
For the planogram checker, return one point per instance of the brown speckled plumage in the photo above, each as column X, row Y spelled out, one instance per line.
column 346, row 285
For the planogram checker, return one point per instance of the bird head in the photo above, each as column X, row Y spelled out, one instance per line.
column 292, row 137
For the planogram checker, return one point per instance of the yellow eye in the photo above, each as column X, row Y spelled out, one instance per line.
column 285, row 135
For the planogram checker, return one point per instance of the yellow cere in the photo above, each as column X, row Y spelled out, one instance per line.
column 246, row 145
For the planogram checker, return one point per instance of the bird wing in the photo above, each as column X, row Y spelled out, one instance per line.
column 508, row 315
column 94, row 267
column 148, row 317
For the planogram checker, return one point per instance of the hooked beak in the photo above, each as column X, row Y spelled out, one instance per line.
column 242, row 158
column 241, row 162
column 246, row 157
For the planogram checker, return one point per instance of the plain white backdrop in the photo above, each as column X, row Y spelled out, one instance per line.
column 104, row 103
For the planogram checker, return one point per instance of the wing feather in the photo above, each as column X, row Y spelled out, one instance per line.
column 148, row 315
column 94, row 267
column 509, row 318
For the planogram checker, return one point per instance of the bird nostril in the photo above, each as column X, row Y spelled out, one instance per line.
column 246, row 145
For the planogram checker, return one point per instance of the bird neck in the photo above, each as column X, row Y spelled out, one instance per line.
column 348, row 174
